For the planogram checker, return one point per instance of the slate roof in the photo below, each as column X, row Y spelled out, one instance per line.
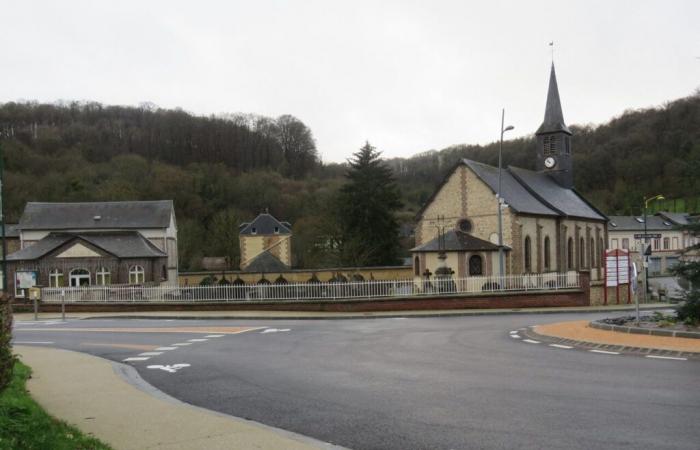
column 675, row 218
column 82, row 216
column 553, row 115
column 630, row 223
column 512, row 191
column 121, row 244
column 457, row 241
column 11, row 230
column 565, row 201
column 265, row 262
column 265, row 224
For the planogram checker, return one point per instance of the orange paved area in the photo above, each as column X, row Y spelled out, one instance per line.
column 580, row 331
column 204, row 330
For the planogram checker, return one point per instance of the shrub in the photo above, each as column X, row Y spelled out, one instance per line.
column 7, row 360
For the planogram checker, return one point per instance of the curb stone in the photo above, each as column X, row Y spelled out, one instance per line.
column 628, row 350
column 639, row 330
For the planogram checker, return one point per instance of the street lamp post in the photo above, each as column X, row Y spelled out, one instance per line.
column 501, row 264
column 646, row 241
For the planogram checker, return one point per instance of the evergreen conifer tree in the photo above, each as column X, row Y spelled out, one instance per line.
column 367, row 206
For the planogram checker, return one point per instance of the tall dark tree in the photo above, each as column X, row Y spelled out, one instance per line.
column 298, row 146
column 367, row 207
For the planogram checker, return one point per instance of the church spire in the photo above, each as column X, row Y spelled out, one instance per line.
column 553, row 116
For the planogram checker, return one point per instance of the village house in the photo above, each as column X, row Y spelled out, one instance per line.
column 667, row 245
column 266, row 245
column 100, row 243
column 547, row 225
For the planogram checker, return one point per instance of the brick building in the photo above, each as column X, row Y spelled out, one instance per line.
column 547, row 225
column 100, row 243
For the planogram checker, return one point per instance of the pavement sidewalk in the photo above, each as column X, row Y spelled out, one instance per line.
column 580, row 331
column 94, row 395
column 303, row 315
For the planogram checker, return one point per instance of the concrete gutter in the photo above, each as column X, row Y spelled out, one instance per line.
column 113, row 403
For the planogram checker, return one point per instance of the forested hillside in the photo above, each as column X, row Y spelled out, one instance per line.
column 223, row 170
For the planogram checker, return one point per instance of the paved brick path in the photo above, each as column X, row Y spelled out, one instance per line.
column 579, row 330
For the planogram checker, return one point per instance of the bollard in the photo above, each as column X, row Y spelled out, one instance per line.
column 36, row 310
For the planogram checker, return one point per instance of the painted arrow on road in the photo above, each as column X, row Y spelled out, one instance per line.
column 170, row 368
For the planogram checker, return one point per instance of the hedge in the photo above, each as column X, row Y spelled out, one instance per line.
column 6, row 358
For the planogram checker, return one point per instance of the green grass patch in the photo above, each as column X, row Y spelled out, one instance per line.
column 25, row 425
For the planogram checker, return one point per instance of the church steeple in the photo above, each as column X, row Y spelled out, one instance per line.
column 553, row 139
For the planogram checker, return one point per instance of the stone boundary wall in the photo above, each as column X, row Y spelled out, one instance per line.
column 640, row 330
column 533, row 299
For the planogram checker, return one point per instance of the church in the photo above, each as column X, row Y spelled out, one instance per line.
column 547, row 225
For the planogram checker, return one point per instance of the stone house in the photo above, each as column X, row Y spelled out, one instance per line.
column 266, row 245
column 547, row 225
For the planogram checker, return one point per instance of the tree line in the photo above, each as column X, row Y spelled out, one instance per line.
column 221, row 171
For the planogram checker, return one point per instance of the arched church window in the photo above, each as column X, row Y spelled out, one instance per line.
column 528, row 254
column 582, row 253
column 547, row 260
column 570, row 254
column 476, row 265
column 567, row 145
column 416, row 266
column 594, row 262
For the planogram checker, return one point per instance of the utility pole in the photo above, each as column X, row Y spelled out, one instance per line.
column 2, row 221
column 501, row 263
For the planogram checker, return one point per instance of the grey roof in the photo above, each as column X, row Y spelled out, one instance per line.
column 84, row 216
column 553, row 116
column 675, row 218
column 121, row 244
column 514, row 194
column 566, row 201
column 636, row 223
column 456, row 241
column 265, row 224
column 11, row 230
column 265, row 262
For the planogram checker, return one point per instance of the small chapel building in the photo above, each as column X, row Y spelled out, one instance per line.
column 547, row 225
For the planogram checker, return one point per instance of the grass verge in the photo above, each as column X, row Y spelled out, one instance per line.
column 25, row 425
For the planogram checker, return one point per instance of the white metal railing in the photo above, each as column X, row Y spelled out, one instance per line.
column 311, row 291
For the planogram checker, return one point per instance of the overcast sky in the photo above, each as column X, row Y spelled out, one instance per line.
column 407, row 76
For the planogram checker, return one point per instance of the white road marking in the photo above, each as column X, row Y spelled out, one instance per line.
column 136, row 358
column 166, row 348
column 561, row 346
column 604, row 352
column 675, row 358
column 197, row 340
column 170, row 368
column 214, row 335
column 32, row 342
column 515, row 336
column 514, row 332
column 274, row 330
column 182, row 344
column 150, row 353
column 531, row 341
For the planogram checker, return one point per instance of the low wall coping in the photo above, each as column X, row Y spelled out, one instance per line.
column 639, row 330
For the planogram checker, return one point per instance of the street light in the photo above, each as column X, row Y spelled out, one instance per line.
column 646, row 241
column 501, row 264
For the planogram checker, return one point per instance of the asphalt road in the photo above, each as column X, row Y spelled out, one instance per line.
column 415, row 383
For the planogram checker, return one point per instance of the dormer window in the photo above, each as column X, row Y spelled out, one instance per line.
column 613, row 224
column 253, row 230
column 668, row 224
column 97, row 218
column 639, row 219
column 277, row 230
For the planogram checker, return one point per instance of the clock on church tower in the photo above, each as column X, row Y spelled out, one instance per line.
column 554, row 139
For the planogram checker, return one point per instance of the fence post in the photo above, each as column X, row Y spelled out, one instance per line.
column 63, row 305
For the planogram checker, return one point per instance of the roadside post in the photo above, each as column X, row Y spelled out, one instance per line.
column 35, row 295
column 63, row 305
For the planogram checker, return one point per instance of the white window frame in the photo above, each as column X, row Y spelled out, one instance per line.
column 137, row 272
column 55, row 275
column 101, row 275
column 78, row 277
